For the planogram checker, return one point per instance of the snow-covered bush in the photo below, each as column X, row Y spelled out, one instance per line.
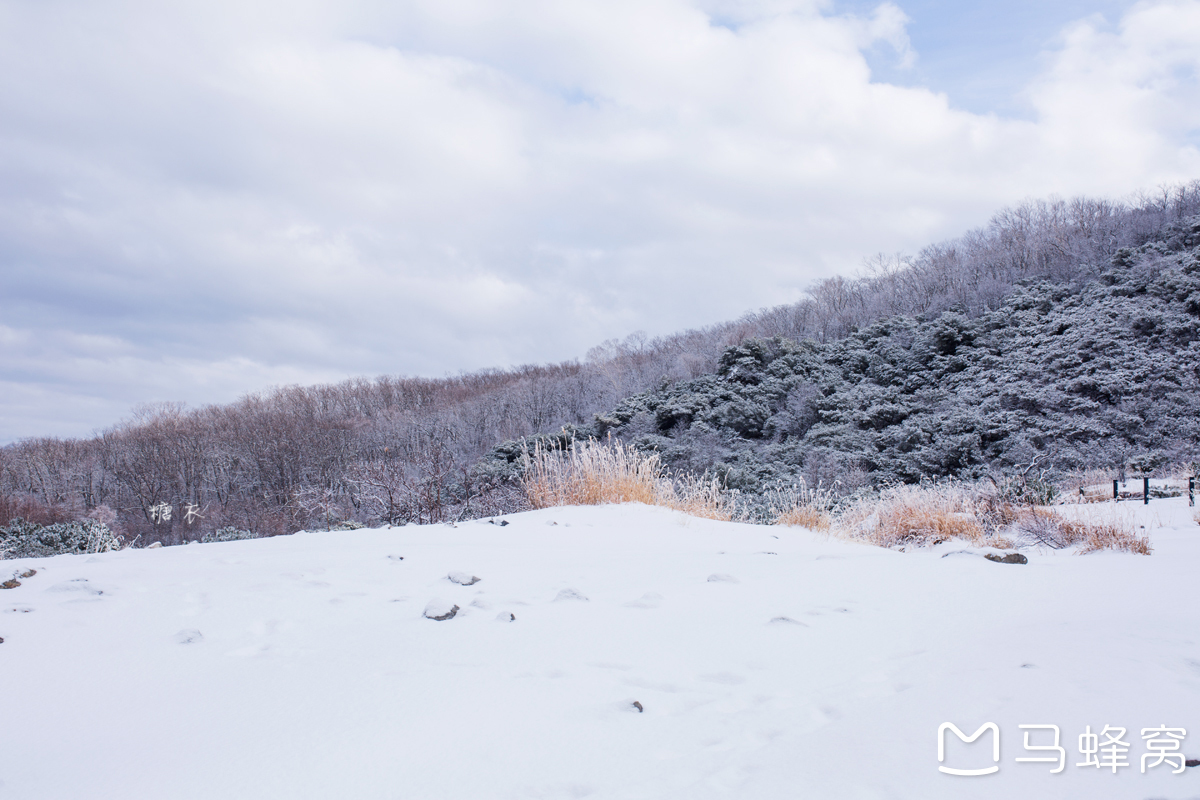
column 22, row 539
column 229, row 534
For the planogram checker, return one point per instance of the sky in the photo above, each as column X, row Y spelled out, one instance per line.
column 204, row 199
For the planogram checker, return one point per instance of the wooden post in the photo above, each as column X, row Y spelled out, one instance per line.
column 1145, row 491
column 1116, row 493
column 1192, row 491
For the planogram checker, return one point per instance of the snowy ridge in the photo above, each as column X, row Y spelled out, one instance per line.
column 765, row 662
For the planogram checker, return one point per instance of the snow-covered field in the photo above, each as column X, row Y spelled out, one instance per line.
column 768, row 663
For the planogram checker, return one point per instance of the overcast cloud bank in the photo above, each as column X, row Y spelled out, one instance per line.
column 203, row 200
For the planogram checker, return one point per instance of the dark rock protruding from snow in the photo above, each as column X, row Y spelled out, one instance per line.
column 463, row 578
column 439, row 610
column 1009, row 558
column 638, row 706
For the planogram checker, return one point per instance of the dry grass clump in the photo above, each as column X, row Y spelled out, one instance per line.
column 591, row 473
column 699, row 497
column 594, row 473
column 803, row 506
column 817, row 519
column 1044, row 527
column 922, row 516
column 918, row 516
column 1110, row 536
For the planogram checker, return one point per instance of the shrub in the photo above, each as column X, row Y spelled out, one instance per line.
column 229, row 534
column 22, row 539
column 30, row 509
column 1018, row 489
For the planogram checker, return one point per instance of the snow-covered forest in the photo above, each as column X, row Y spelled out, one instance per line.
column 1063, row 334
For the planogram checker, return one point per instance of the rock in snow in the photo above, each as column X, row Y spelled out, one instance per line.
column 463, row 578
column 1009, row 558
column 440, row 610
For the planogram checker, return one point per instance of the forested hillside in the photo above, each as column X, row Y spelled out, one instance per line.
column 1063, row 329
column 1070, row 377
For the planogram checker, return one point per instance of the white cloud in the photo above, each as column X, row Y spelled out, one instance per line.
column 305, row 190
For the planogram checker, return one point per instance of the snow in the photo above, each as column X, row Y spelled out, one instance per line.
column 765, row 663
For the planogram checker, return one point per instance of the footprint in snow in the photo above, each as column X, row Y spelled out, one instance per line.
column 721, row 577
column 79, row 585
column 648, row 600
column 726, row 678
column 463, row 578
column 786, row 621
column 570, row 594
column 189, row 636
